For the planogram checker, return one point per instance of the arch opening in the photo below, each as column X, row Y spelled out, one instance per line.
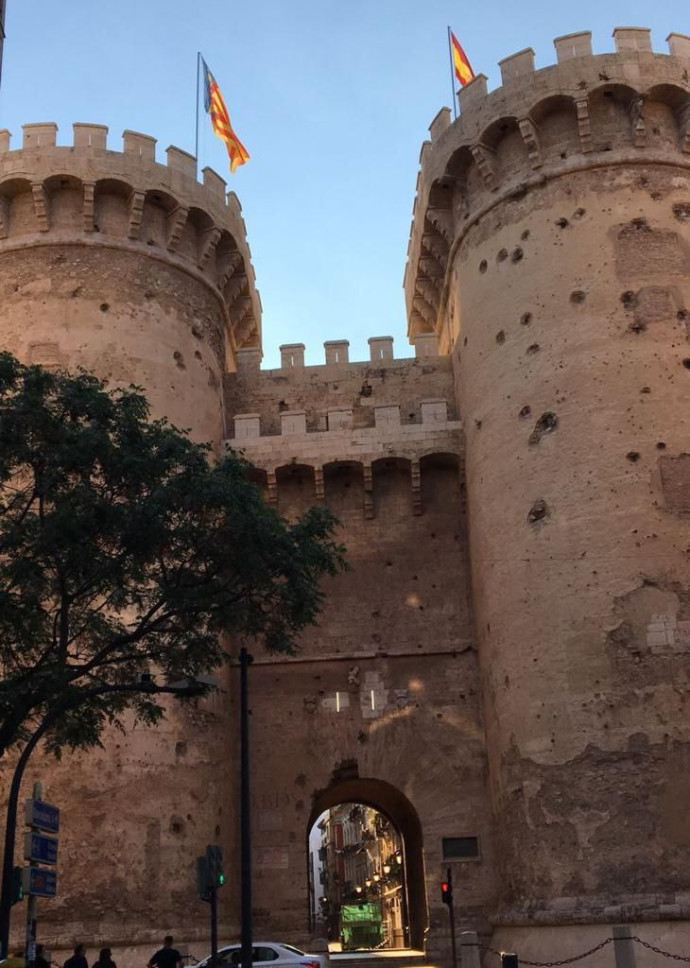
column 366, row 868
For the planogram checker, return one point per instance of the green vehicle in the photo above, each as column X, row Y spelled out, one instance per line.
column 360, row 926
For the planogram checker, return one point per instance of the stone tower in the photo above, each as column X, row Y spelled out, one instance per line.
column 550, row 253
column 135, row 271
column 129, row 268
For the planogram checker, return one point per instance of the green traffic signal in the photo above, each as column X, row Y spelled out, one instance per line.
column 221, row 879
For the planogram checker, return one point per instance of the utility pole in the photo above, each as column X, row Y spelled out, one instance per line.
column 245, row 817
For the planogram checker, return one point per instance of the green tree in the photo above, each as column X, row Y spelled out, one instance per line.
column 126, row 551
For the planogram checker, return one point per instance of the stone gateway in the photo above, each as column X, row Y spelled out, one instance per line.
column 506, row 663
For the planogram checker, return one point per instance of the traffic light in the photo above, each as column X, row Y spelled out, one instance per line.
column 214, row 860
column 446, row 892
column 203, row 885
column 17, row 894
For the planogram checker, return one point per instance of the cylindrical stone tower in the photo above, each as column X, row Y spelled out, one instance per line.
column 134, row 271
column 126, row 267
column 550, row 251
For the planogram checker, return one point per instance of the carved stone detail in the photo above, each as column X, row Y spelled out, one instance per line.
column 40, row 205
column 136, row 209
column 272, row 487
column 436, row 247
column 416, row 487
column 89, row 203
column 584, row 125
column 208, row 241
column 235, row 288
column 318, row 482
column 4, row 217
column 485, row 159
column 234, row 260
column 424, row 309
column 368, row 491
column 442, row 220
column 639, row 129
column 530, row 135
column 177, row 222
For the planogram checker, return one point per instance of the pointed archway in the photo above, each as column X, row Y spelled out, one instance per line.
column 394, row 805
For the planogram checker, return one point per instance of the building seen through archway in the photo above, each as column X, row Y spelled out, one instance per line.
column 358, row 879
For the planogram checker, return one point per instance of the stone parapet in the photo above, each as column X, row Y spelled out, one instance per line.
column 96, row 195
column 387, row 440
column 538, row 125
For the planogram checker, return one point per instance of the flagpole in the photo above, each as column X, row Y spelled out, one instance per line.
column 452, row 77
column 196, row 141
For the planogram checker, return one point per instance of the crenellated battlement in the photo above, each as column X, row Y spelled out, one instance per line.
column 633, row 105
column 86, row 192
column 337, row 353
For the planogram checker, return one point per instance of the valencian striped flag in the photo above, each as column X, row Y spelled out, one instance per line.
column 461, row 64
column 220, row 120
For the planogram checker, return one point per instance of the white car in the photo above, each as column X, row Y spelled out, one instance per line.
column 278, row 954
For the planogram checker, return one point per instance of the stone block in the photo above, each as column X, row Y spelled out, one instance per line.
column 5, row 138
column 340, row 418
column 234, row 203
column 573, row 45
column 182, row 161
column 141, row 145
column 249, row 357
column 472, row 93
column 434, row 411
column 337, row 351
column 387, row 415
column 90, row 135
column 380, row 348
column 41, row 135
column 517, row 65
column 678, row 45
column 214, row 184
column 247, row 426
column 293, row 422
column 632, row 38
column 425, row 344
column 292, row 355
column 440, row 123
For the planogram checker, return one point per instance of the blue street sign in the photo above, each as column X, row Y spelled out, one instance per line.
column 39, row 848
column 43, row 816
column 39, row 882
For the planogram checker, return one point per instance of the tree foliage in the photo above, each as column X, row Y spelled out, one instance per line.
column 124, row 549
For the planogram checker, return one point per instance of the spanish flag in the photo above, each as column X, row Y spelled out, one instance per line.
column 220, row 120
column 461, row 65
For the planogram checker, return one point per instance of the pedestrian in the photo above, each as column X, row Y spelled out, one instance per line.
column 78, row 959
column 40, row 961
column 105, row 959
column 165, row 957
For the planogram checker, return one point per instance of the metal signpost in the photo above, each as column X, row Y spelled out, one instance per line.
column 41, row 819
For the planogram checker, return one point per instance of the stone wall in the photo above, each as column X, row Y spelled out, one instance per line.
column 386, row 688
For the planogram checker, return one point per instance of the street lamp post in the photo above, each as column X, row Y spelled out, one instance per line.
column 245, row 816
column 184, row 688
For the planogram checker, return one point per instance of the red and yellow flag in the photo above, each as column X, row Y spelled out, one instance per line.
column 220, row 120
column 461, row 65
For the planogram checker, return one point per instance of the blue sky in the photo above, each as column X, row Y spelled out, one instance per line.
column 332, row 98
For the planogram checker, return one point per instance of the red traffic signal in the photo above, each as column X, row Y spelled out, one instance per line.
column 446, row 892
